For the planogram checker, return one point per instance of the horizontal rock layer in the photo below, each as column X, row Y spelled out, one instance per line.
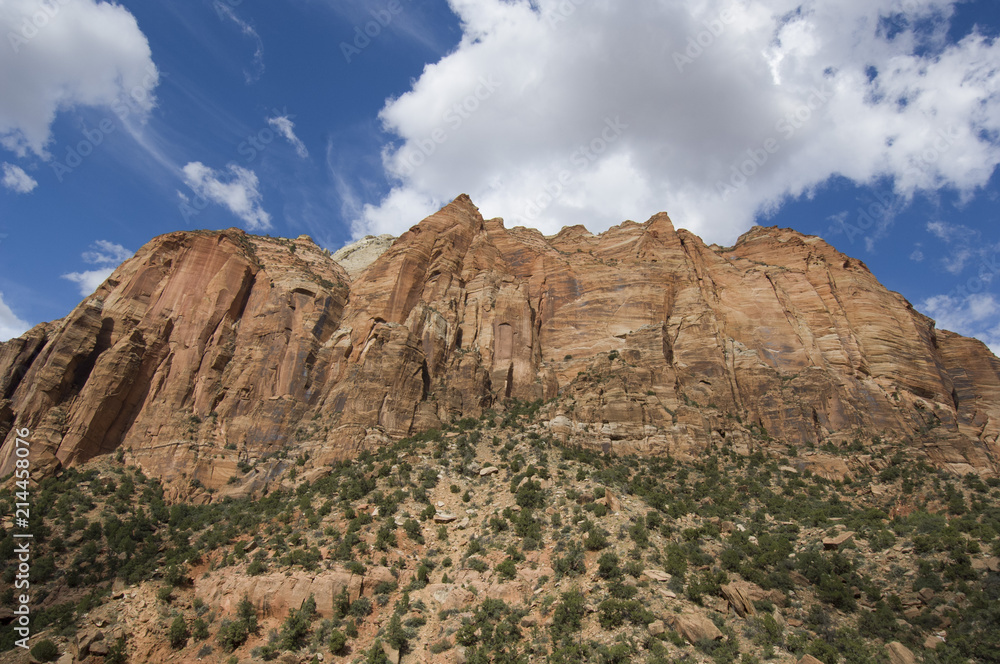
column 209, row 348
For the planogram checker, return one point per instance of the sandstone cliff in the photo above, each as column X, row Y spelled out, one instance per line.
column 208, row 348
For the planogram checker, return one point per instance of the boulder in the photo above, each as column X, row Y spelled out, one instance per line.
column 738, row 595
column 695, row 627
column 932, row 642
column 609, row 501
column 656, row 627
column 489, row 470
column 837, row 541
column 900, row 654
column 391, row 653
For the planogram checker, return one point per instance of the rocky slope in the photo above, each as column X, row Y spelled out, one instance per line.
column 209, row 349
column 489, row 541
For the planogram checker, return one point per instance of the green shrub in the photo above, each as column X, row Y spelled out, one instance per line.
column 613, row 613
column 412, row 529
column 199, row 629
column 295, row 629
column 568, row 616
column 337, row 642
column 571, row 564
column 607, row 566
column 178, row 633
column 507, row 570
column 45, row 651
column 361, row 607
column 595, row 540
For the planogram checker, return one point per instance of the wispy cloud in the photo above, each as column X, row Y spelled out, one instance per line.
column 964, row 245
column 252, row 76
column 238, row 191
column 15, row 179
column 284, row 126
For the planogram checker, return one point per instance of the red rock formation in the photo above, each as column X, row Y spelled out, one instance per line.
column 210, row 347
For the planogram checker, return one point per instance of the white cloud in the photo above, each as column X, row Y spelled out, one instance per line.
column 542, row 88
column 103, row 252
column 15, row 179
column 225, row 12
column 89, row 280
column 58, row 55
column 108, row 255
column 240, row 193
column 284, row 126
column 10, row 325
column 976, row 315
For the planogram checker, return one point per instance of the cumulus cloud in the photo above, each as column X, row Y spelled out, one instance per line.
column 15, row 179
column 60, row 55
column 89, row 280
column 107, row 256
column 226, row 13
column 238, row 191
column 284, row 126
column 10, row 325
column 743, row 104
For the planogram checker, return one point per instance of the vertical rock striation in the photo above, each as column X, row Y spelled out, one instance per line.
column 207, row 348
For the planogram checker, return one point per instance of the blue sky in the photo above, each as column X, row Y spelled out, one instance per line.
column 872, row 123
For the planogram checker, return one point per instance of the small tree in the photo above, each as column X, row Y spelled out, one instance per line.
column 394, row 635
column 178, row 633
column 337, row 641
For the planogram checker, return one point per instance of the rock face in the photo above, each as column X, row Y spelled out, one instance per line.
column 209, row 348
column 354, row 258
